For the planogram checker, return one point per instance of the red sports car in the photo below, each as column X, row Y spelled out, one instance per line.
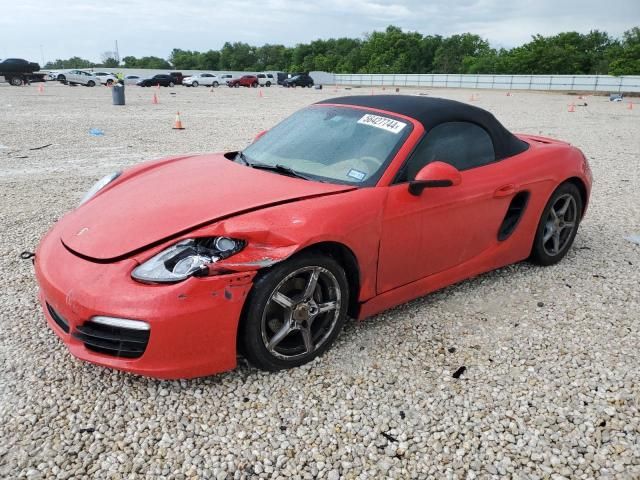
column 346, row 208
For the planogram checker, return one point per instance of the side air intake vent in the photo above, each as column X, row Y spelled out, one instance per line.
column 513, row 216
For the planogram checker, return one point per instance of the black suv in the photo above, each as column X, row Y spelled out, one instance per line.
column 300, row 80
column 18, row 65
column 160, row 79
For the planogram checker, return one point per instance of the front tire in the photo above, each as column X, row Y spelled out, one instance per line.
column 91, row 83
column 195, row 84
column 294, row 312
column 171, row 84
column 215, row 84
column 558, row 225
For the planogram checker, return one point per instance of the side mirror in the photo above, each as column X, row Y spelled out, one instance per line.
column 435, row 175
column 260, row 135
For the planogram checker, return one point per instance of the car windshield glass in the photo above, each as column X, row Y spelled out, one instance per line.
column 332, row 144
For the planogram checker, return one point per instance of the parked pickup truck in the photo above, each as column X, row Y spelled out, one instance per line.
column 18, row 71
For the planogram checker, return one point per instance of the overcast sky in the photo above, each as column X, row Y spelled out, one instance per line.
column 63, row 28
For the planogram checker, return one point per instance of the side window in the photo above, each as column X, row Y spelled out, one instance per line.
column 461, row 144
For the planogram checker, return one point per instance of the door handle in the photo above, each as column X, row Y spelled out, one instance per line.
column 505, row 191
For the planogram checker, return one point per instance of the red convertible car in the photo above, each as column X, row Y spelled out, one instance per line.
column 347, row 208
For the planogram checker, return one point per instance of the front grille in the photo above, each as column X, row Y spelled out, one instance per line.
column 116, row 341
column 60, row 321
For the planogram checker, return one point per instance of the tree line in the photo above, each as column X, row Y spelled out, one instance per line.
column 396, row 51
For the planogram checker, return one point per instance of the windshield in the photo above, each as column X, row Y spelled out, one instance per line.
column 333, row 144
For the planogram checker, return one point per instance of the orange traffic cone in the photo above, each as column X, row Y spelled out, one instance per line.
column 260, row 95
column 630, row 106
column 158, row 86
column 154, row 99
column 41, row 88
column 572, row 108
column 177, row 125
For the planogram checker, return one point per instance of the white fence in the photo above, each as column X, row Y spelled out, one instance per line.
column 583, row 83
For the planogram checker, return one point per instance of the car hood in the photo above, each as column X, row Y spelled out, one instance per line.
column 168, row 198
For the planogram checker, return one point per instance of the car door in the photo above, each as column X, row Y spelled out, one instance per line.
column 73, row 76
column 444, row 227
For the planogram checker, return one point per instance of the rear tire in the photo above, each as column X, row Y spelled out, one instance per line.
column 194, row 84
column 171, row 84
column 16, row 81
column 91, row 83
column 216, row 84
column 289, row 319
column 558, row 225
column 268, row 84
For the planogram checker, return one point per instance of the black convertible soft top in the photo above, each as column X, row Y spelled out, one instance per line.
column 434, row 111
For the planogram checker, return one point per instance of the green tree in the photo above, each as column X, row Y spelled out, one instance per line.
column 627, row 58
column 450, row 55
column 73, row 62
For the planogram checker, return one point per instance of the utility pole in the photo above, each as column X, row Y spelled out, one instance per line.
column 117, row 53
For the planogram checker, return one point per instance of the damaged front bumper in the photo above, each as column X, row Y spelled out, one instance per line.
column 192, row 325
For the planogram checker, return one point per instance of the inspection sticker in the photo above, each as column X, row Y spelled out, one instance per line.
column 357, row 174
column 384, row 123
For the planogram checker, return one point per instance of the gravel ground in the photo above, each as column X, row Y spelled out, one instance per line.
column 552, row 381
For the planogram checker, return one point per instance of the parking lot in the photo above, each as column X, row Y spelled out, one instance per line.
column 551, row 387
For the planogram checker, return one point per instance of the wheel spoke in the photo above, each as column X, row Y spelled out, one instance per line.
column 282, row 300
column 311, row 285
column 280, row 335
column 556, row 241
column 567, row 225
column 308, row 341
column 554, row 215
column 548, row 234
column 565, row 206
column 327, row 306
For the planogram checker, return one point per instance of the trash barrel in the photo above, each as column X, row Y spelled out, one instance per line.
column 117, row 94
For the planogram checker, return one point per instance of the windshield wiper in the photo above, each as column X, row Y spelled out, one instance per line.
column 279, row 169
column 244, row 158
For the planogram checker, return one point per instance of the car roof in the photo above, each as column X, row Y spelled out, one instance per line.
column 431, row 111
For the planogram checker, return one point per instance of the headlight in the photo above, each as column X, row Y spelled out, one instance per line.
column 99, row 185
column 187, row 258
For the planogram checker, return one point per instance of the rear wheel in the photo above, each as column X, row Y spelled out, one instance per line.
column 295, row 312
column 194, row 84
column 558, row 225
column 215, row 84
column 171, row 84
column 15, row 81
column 109, row 82
column 91, row 83
column 268, row 84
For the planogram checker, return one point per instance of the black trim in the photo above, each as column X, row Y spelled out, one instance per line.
column 58, row 319
column 417, row 186
column 115, row 341
column 514, row 214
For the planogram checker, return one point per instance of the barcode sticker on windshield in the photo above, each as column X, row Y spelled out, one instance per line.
column 384, row 123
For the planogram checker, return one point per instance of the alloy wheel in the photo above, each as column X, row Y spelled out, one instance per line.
column 301, row 313
column 560, row 224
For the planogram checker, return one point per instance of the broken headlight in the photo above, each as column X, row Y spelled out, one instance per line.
column 186, row 258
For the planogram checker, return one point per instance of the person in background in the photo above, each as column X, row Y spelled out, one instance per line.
column 120, row 77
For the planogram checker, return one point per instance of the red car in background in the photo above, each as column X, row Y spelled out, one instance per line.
column 348, row 207
column 244, row 81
